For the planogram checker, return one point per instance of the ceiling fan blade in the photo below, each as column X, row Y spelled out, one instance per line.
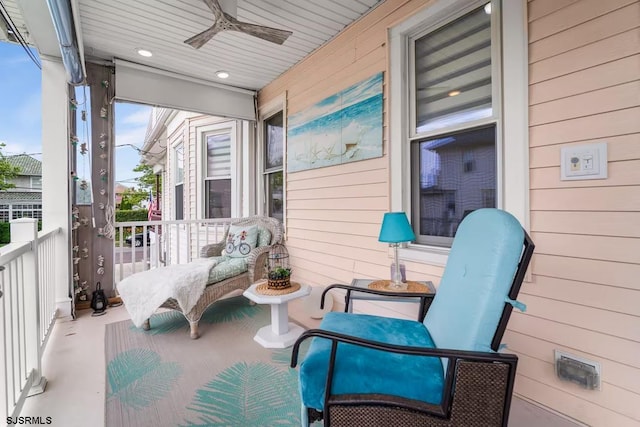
column 274, row 35
column 199, row 40
column 215, row 8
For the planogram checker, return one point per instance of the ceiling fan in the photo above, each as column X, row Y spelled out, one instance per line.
column 224, row 21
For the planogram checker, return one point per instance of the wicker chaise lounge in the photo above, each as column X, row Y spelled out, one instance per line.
column 256, row 260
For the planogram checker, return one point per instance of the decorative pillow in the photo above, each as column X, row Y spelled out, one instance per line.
column 241, row 240
column 226, row 268
column 264, row 237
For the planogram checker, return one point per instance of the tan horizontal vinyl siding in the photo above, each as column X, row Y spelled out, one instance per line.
column 585, row 296
column 334, row 213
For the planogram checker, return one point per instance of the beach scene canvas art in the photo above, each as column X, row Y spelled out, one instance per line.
column 345, row 127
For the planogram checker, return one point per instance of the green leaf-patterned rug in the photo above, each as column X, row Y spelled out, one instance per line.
column 224, row 378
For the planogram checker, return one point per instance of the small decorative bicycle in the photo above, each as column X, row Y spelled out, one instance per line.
column 242, row 246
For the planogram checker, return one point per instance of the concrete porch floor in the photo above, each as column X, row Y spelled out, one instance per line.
column 74, row 366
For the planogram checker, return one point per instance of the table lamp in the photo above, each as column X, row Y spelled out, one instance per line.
column 395, row 230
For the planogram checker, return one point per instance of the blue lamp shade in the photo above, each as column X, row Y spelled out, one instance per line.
column 396, row 228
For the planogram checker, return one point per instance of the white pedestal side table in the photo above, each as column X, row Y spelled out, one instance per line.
column 281, row 333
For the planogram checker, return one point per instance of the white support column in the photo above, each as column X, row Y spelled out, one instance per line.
column 280, row 318
column 26, row 230
column 56, row 206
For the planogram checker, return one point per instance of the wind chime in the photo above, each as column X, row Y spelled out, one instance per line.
column 99, row 301
column 102, row 164
column 80, row 287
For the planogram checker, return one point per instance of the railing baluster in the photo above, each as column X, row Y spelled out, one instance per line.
column 121, row 229
column 198, row 231
column 133, row 249
column 189, row 240
column 27, row 312
column 6, row 347
column 21, row 321
column 12, row 341
column 145, row 247
column 176, row 241
column 178, row 248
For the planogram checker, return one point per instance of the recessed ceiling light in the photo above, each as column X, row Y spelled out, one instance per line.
column 144, row 52
column 454, row 93
column 222, row 74
column 487, row 8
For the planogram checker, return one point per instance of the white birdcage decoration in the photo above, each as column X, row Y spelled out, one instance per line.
column 279, row 273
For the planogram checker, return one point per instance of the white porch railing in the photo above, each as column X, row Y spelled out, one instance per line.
column 27, row 311
column 169, row 242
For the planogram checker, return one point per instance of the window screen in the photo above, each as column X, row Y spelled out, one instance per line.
column 453, row 175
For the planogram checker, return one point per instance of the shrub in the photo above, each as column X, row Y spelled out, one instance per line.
column 131, row 215
column 5, row 232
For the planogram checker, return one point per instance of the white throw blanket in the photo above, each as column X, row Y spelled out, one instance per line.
column 144, row 292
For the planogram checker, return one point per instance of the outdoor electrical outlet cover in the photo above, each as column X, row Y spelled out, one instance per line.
column 584, row 161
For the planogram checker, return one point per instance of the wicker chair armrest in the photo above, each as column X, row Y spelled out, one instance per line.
column 256, row 261
column 213, row 249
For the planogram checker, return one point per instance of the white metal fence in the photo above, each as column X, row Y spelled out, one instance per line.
column 168, row 242
column 27, row 311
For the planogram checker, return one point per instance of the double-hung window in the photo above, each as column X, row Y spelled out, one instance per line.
column 178, row 165
column 448, row 130
column 36, row 182
column 273, row 161
column 217, row 179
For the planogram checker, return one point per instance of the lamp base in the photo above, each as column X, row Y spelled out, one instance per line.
column 399, row 286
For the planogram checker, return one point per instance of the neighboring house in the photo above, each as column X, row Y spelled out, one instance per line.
column 200, row 160
column 25, row 199
column 472, row 118
column 119, row 191
column 202, row 165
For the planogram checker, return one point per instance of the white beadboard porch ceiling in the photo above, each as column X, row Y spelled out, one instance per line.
column 117, row 28
column 16, row 16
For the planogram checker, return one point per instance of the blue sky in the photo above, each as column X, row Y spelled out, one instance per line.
column 20, row 114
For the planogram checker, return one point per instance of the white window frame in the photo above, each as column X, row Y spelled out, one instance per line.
column 268, row 110
column 36, row 179
column 35, row 209
column 176, row 146
column 236, row 168
column 513, row 177
column 493, row 120
column 5, row 210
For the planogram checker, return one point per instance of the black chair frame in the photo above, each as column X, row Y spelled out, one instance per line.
column 425, row 298
column 455, row 357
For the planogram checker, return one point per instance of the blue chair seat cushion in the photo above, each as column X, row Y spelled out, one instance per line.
column 364, row 370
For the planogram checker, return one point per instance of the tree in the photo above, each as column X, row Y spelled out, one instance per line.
column 148, row 179
column 7, row 171
column 132, row 197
